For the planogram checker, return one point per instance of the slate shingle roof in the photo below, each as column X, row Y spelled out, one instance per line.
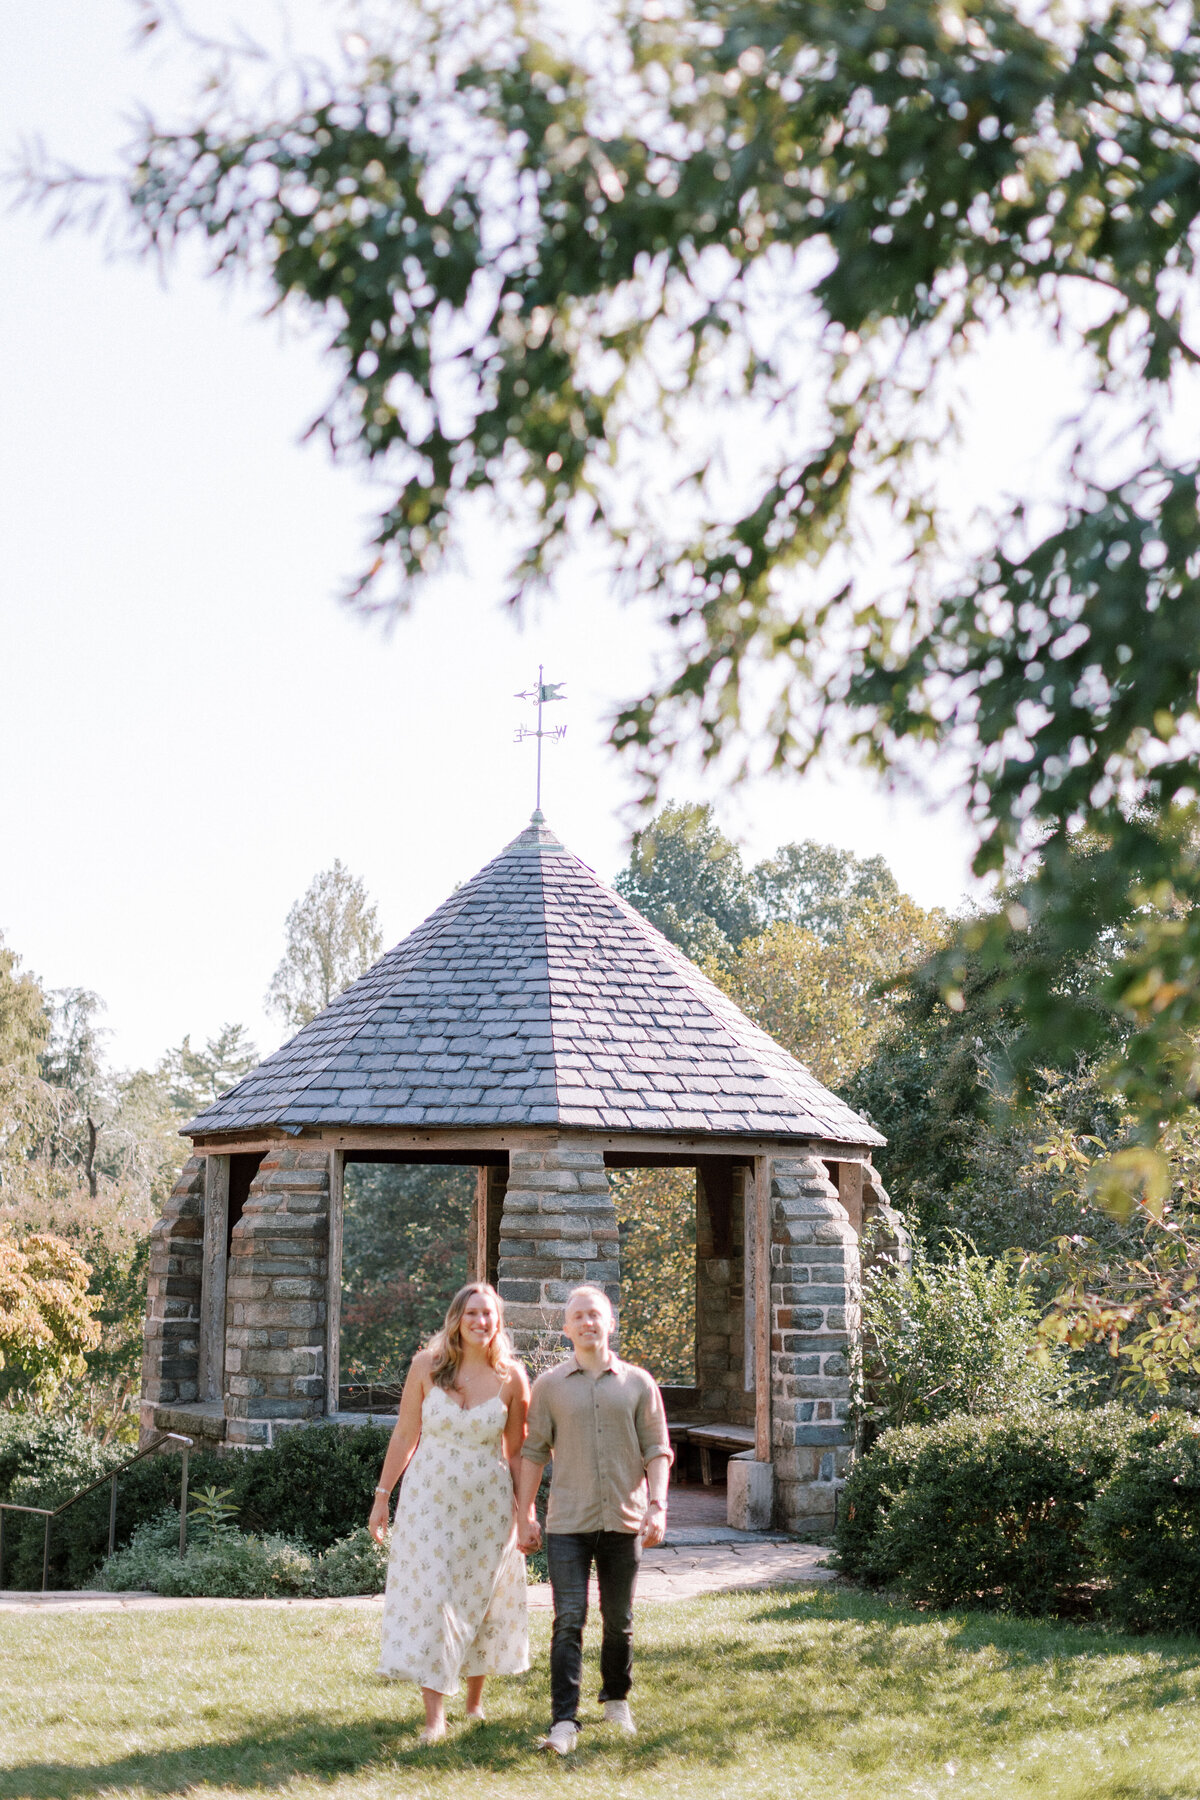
column 536, row 996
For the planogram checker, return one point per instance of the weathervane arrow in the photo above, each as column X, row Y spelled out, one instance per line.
column 543, row 693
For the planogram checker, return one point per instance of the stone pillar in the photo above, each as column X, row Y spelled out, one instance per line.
column 815, row 1309
column 171, row 1351
column 276, row 1299
column 558, row 1228
column 720, row 1293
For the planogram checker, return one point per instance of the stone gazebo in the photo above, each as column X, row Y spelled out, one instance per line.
column 539, row 1027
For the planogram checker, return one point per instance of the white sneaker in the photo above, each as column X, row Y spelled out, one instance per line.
column 616, row 1712
column 562, row 1739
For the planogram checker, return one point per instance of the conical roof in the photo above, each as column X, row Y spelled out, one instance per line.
column 535, row 995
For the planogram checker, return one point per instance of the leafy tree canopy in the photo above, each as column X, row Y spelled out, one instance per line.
column 820, row 888
column 196, row 1077
column 46, row 1323
column 687, row 878
column 332, row 937
column 831, row 1001
column 557, row 276
column 24, row 1015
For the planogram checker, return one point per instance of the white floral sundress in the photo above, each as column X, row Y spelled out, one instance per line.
column 455, row 1600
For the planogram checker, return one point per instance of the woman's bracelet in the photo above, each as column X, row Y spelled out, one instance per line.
column 386, row 1492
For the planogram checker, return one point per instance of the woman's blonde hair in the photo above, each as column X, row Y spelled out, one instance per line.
column 446, row 1347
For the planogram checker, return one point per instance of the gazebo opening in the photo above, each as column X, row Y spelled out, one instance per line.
column 405, row 1253
column 656, row 1213
column 683, row 1299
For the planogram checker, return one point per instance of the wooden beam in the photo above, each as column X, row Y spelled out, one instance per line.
column 850, row 1191
column 745, row 1177
column 477, row 1244
column 762, row 1308
column 333, row 1282
column 476, row 1139
column 211, row 1381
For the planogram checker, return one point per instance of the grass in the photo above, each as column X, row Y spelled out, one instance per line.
column 771, row 1695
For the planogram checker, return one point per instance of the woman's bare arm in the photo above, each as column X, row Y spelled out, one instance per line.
column 406, row 1435
column 516, row 1393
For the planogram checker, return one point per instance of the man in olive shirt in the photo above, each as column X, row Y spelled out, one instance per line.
column 604, row 1423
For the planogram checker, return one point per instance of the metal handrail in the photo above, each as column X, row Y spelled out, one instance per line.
column 50, row 1513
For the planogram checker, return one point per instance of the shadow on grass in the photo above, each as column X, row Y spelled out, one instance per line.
column 842, row 1673
column 272, row 1755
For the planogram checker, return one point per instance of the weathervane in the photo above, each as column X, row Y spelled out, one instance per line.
column 543, row 693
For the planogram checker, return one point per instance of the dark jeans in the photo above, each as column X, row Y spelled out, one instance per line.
column 569, row 1555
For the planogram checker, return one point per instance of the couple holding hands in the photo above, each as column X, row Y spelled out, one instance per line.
column 471, row 1440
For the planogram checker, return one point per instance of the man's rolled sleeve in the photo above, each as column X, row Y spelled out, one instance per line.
column 650, row 1418
column 539, row 1429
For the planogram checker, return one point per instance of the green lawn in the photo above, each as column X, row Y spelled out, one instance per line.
column 791, row 1695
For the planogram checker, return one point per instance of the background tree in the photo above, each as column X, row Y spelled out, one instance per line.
column 656, row 1214
column 404, row 1256
column 687, row 878
column 46, row 1323
column 332, row 937
column 790, row 220
column 24, row 1015
column 830, row 999
column 195, row 1078
column 820, row 888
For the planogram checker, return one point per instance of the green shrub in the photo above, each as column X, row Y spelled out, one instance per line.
column 136, row 1566
column 1144, row 1529
column 79, row 1539
column 354, row 1565
column 874, row 1484
column 232, row 1566
column 949, row 1337
column 984, row 1512
column 238, row 1565
column 316, row 1483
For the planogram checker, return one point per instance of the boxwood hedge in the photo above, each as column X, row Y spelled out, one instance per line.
column 989, row 1512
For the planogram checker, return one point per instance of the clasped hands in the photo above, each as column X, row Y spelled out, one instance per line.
column 654, row 1530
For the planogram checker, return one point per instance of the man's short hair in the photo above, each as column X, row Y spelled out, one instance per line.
column 595, row 1293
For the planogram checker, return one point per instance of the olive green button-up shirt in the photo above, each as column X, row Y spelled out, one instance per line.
column 602, row 1431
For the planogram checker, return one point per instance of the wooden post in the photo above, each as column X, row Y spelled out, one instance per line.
column 850, row 1191
column 762, row 1308
column 333, row 1282
column 213, row 1278
column 477, row 1248
column 745, row 1175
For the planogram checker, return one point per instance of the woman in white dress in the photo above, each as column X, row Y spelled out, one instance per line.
column 455, row 1601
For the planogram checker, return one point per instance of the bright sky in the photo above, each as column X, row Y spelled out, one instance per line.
column 190, row 725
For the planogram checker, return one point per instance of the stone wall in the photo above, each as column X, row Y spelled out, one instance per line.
column 815, row 1311
column 558, row 1228
column 171, row 1348
column 275, row 1302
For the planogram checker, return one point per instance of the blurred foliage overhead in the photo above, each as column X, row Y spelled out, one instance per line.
column 556, row 276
